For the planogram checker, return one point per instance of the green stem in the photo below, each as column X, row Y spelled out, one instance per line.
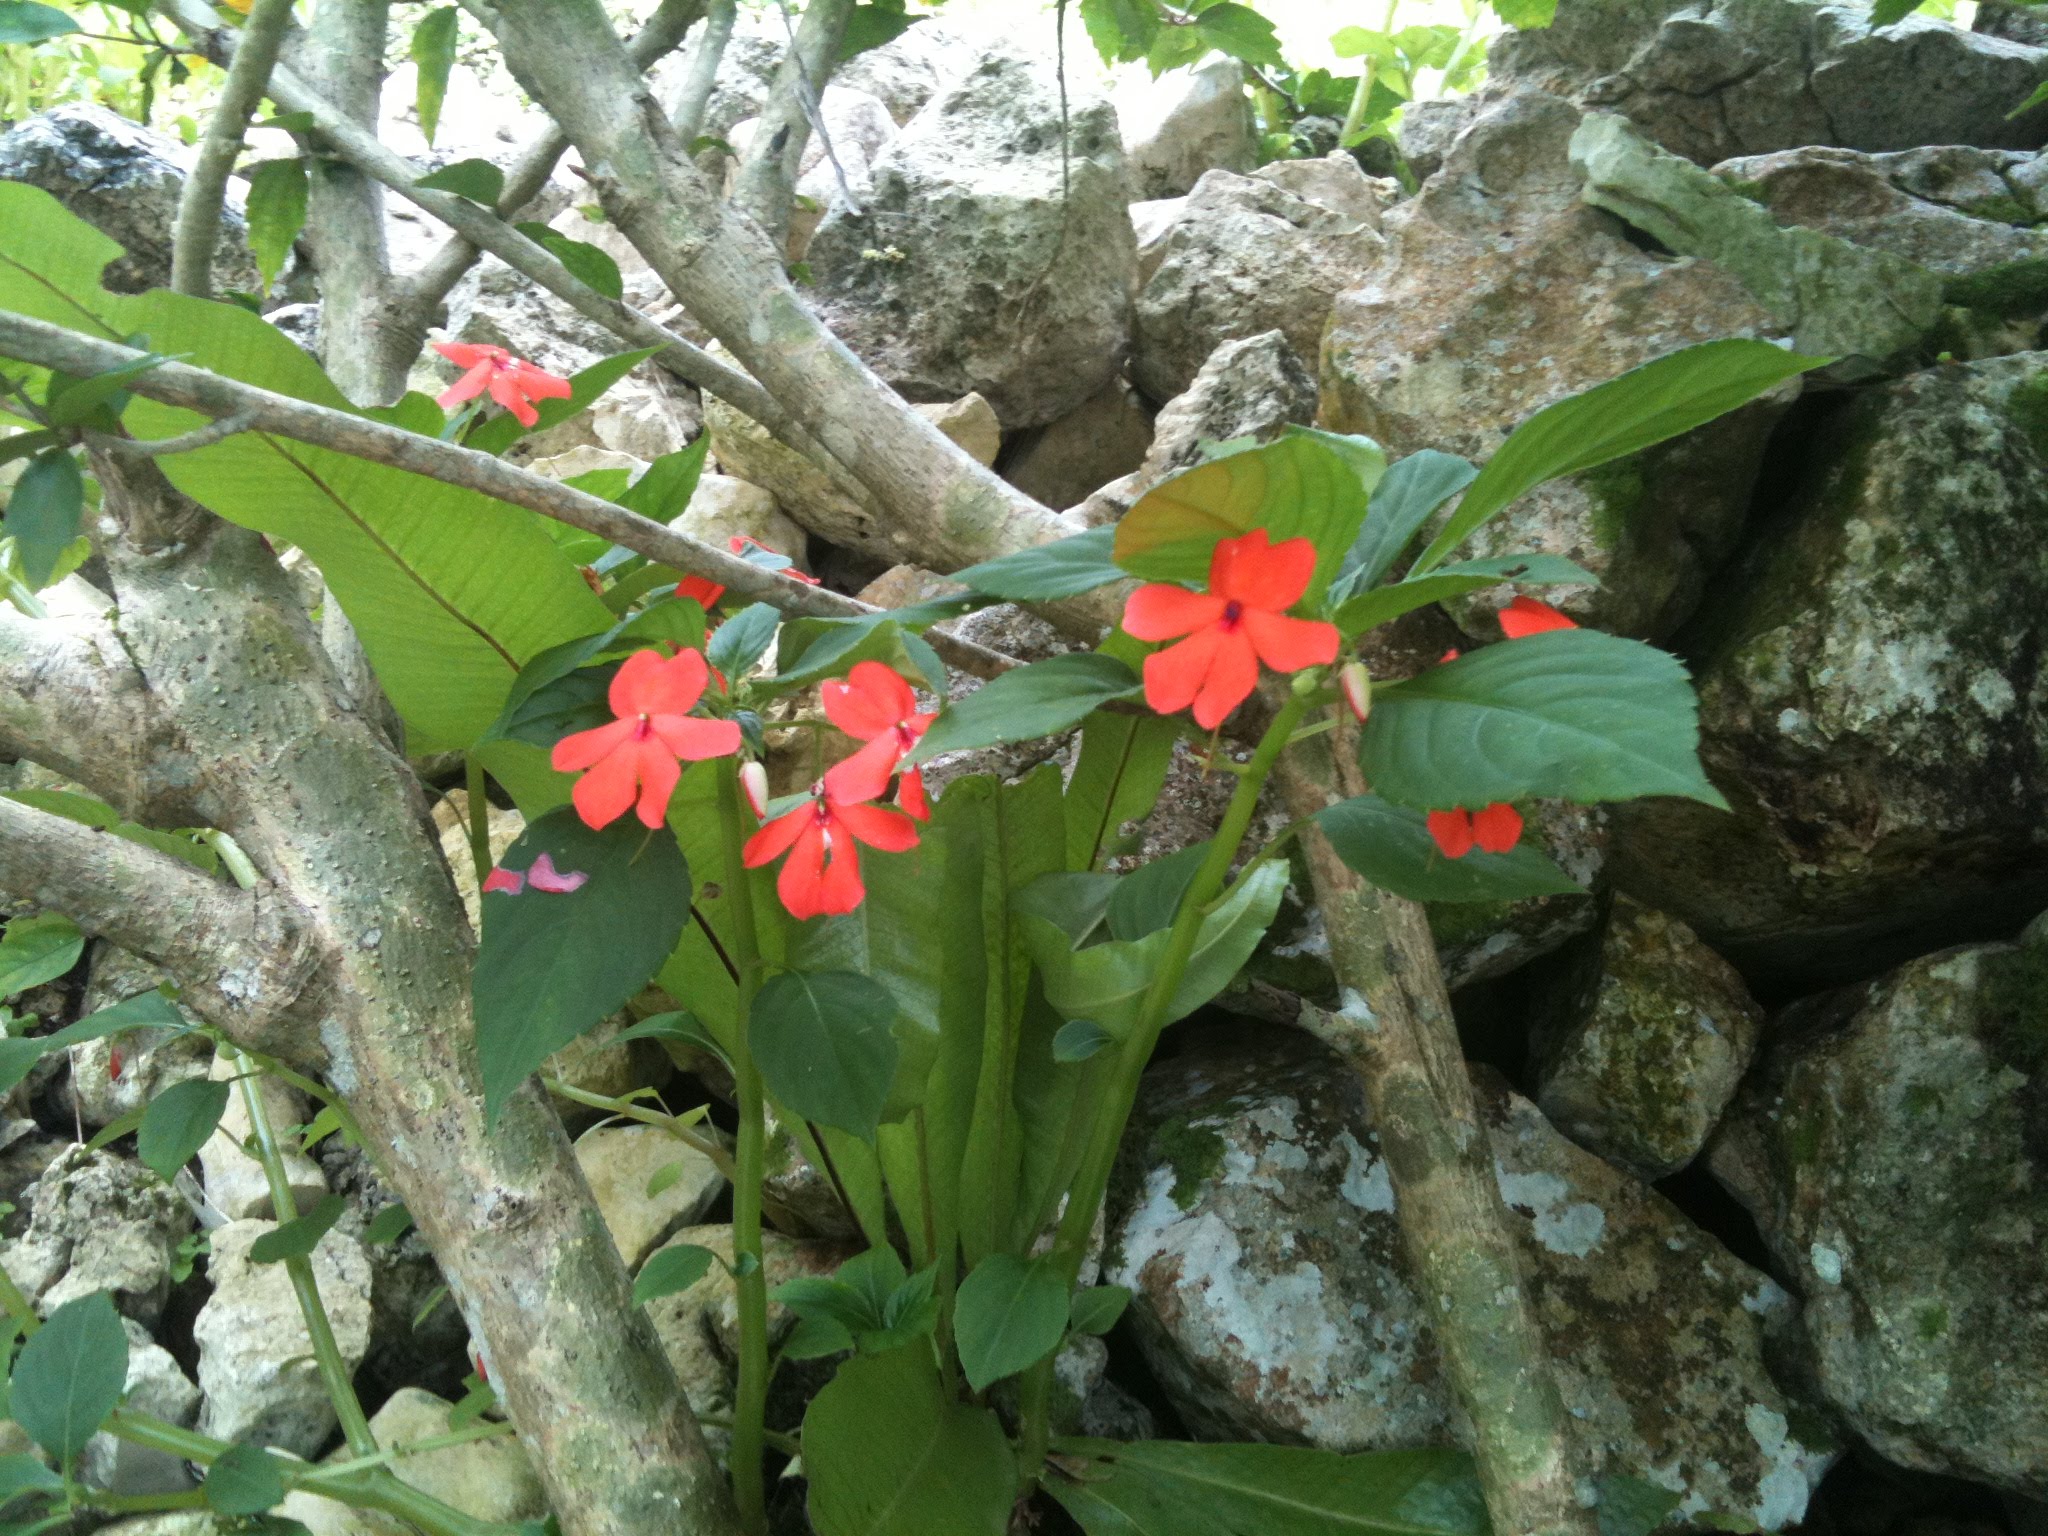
column 479, row 809
column 789, row 1445
column 1361, row 99
column 626, row 1109
column 145, row 1503
column 750, row 1406
column 489, row 1430
column 335, row 1374
column 1091, row 1182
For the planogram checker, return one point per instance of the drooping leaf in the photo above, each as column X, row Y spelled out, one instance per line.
column 664, row 491
column 70, row 1376
column 433, row 55
column 889, row 1454
column 1008, row 1314
column 1381, row 605
column 813, row 648
column 478, row 180
column 297, row 1238
column 873, row 23
column 742, row 640
column 1042, row 699
column 26, row 1474
column 278, row 198
column 97, row 814
column 1117, row 777
column 1148, row 898
column 1390, row 845
column 1630, row 1506
column 37, row 948
column 1527, row 15
column 1241, row 32
column 44, row 511
column 1884, row 13
column 587, row 263
column 96, row 400
column 824, row 1044
column 1121, row 30
column 244, row 1480
column 1645, row 406
column 1064, row 568
column 1569, row 714
column 672, row 1269
column 387, row 1226
column 146, row 1010
column 177, row 1123
column 1096, row 1308
column 553, row 963
column 1406, row 497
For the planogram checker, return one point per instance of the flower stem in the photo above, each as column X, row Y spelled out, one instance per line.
column 751, row 1403
column 626, row 1109
column 1091, row 1183
column 479, row 808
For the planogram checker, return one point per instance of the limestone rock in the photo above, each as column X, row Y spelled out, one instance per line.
column 968, row 269
column 1102, row 439
column 1151, row 223
column 1480, row 940
column 860, row 128
column 1747, row 77
column 1501, row 293
column 1644, row 1040
column 125, row 181
column 255, row 1357
column 99, row 1222
column 1872, row 696
column 621, row 1163
column 1891, row 1150
column 151, row 1059
column 722, row 507
column 1272, row 1298
column 158, row 1387
column 1185, row 122
column 1251, row 254
column 489, row 1480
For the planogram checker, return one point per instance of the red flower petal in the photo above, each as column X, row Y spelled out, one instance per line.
column 585, row 749
column 1289, row 645
column 537, row 383
column 1497, row 828
column 1452, row 830
column 608, row 790
column 1526, row 616
column 877, row 826
column 1233, row 674
column 468, row 387
column 774, row 840
column 707, row 593
column 910, row 794
column 658, row 773
column 510, row 881
column 868, row 701
column 546, row 877
column 471, row 354
column 653, row 684
column 822, row 875
column 694, row 740
column 1251, row 570
column 1175, row 675
column 866, row 774
column 1163, row 611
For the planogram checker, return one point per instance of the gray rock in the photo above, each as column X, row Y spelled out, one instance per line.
column 1251, row 254
column 1872, row 697
column 99, row 1222
column 156, row 1386
column 1185, row 122
column 908, row 71
column 1643, row 1042
column 151, row 1059
column 1501, row 293
column 969, row 269
column 1747, row 77
column 1892, row 1152
column 1273, row 1299
column 1482, row 940
column 490, row 1480
column 1100, row 440
column 722, row 507
column 125, row 181
column 255, row 1356
column 2014, row 23
column 623, row 1162
column 858, row 127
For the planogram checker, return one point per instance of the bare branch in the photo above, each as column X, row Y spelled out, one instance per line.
column 185, row 442
column 768, row 170
column 700, row 78
column 199, row 206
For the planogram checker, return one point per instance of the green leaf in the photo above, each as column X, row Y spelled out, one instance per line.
column 478, row 180
column 74, row 402
column 24, row 21
column 25, row 1474
column 37, row 949
column 433, row 51
column 1241, row 32
column 1121, row 30
column 1409, row 494
column 177, row 1123
column 814, row 648
column 1568, row 714
column 670, row 481
column 1009, row 1313
column 588, row 264
column 2040, row 95
column 1527, row 15
column 1148, row 898
column 1631, row 1507
column 69, row 1377
column 742, row 640
column 680, row 1027
column 873, row 23
column 387, row 1226
column 22, row 444
column 44, row 512
column 1306, row 484
column 300, row 1236
column 1063, row 568
column 1042, row 699
column 673, row 1269
column 824, row 1044
column 146, row 1010
column 1885, row 13
column 278, row 194
column 553, row 963
column 889, row 1454
column 1097, row 1307
column 1078, row 1039
column 244, row 1480
column 1390, row 845
column 1275, row 1490
column 1645, row 406
column 1117, row 778
column 1368, row 610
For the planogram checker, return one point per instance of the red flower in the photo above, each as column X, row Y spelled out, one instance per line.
column 1526, row 616
column 1494, row 830
column 114, row 1064
column 705, row 591
column 513, row 382
column 822, row 875
column 745, row 547
column 1238, row 623
column 635, row 757
column 875, row 705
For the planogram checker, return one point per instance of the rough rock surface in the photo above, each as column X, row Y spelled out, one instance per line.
column 124, row 180
column 255, row 1357
column 1250, row 254
column 1480, row 940
column 1643, row 1042
column 1894, row 1151
column 1185, row 122
column 151, row 1059
column 860, row 128
column 1745, row 77
column 622, row 1163
column 157, row 1386
column 486, row 1479
column 1100, row 440
column 722, row 507
column 99, row 1222
column 1500, row 293
column 1272, row 1299
column 1872, row 694
column 968, row 270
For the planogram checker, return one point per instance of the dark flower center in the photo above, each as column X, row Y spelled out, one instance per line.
column 1233, row 611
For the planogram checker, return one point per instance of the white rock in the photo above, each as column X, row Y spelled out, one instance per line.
column 1185, row 122
column 723, row 506
column 621, row 1162
column 99, row 1222
column 158, row 1387
column 487, row 1479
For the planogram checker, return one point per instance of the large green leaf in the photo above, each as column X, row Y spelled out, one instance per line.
column 279, row 194
column 1382, row 604
column 1165, row 1486
column 1390, row 845
column 1117, row 778
column 24, row 21
column 297, row 1238
column 244, row 1480
column 69, row 1377
column 1009, row 1314
column 889, row 1454
column 1042, row 699
column 44, row 511
column 553, row 963
column 177, row 1123
column 450, row 590
column 1064, row 568
column 37, row 948
column 824, row 1043
column 433, row 52
column 1643, row 407
column 1569, row 714
column 1406, row 497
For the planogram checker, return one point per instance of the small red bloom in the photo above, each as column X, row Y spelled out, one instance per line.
column 1526, row 616
column 114, row 1064
column 635, row 757
column 1238, row 623
column 744, row 546
column 821, row 877
column 875, row 705
column 706, row 592
column 512, row 381
column 1494, row 830
column 510, row 881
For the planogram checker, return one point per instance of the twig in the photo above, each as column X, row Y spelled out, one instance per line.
column 185, row 442
column 199, row 208
column 766, row 187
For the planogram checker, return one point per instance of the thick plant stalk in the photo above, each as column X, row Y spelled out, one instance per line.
column 1395, row 1030
column 205, row 194
column 766, row 186
column 700, row 76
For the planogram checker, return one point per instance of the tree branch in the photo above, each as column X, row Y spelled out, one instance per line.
column 199, row 208
column 700, row 76
column 768, row 172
